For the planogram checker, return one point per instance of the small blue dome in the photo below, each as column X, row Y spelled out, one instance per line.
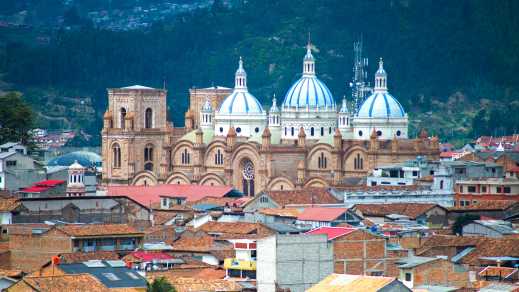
column 240, row 102
column 311, row 91
column 381, row 105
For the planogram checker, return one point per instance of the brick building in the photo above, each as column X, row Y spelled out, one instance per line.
column 417, row 271
column 32, row 246
column 358, row 251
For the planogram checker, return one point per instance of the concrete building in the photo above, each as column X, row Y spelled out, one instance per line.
column 481, row 189
column 17, row 169
column 296, row 262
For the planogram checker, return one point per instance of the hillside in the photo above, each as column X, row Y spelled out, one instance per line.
column 446, row 60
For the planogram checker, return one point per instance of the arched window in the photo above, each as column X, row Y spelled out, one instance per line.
column 329, row 130
column 441, row 185
column 116, row 151
column 218, row 157
column 122, row 117
column 292, row 131
column 311, row 131
column 358, row 162
column 185, row 157
column 148, row 166
column 322, row 131
column 248, row 178
column 285, row 131
column 322, row 161
column 148, row 153
column 148, row 118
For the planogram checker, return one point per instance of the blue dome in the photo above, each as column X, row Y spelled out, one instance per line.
column 85, row 158
column 311, row 91
column 381, row 105
column 240, row 102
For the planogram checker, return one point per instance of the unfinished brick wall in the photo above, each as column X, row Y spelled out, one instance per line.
column 441, row 272
column 30, row 251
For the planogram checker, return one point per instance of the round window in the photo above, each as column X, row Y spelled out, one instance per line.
column 360, row 133
column 221, row 130
column 398, row 133
column 238, row 130
column 256, row 130
column 379, row 133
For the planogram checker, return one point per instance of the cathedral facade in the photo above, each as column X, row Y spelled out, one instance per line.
column 230, row 139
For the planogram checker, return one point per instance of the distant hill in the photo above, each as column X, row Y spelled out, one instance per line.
column 446, row 60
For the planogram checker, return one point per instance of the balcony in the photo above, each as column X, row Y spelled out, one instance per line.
column 235, row 264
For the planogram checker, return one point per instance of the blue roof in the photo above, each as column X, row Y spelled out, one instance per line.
column 311, row 91
column 124, row 277
column 85, row 158
column 381, row 105
column 241, row 102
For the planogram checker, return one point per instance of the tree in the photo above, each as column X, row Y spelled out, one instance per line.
column 461, row 221
column 161, row 285
column 16, row 119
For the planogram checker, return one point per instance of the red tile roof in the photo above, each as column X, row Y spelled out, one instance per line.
column 332, row 232
column 306, row 196
column 321, row 214
column 69, row 282
column 79, row 257
column 147, row 195
column 43, row 186
column 82, row 230
column 412, row 210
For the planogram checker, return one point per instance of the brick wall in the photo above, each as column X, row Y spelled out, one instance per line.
column 30, row 251
column 441, row 272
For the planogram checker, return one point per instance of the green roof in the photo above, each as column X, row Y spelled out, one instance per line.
column 191, row 136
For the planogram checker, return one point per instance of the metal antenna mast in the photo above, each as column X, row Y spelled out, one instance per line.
column 360, row 88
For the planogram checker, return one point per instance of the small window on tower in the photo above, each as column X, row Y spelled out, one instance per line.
column 221, row 129
column 256, row 130
column 238, row 130
column 379, row 133
column 360, row 133
column 398, row 133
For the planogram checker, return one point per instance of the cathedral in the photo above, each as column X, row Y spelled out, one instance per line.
column 229, row 138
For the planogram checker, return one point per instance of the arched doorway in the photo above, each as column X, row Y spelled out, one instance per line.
column 247, row 172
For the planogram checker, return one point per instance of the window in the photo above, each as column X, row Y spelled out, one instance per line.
column 185, row 157
column 461, row 189
column 408, row 277
column 312, row 131
column 148, row 166
column 483, row 189
column 398, row 133
column 358, row 162
column 218, row 157
column 10, row 163
column 264, row 200
column 471, row 189
column 256, row 129
column 360, row 133
column 322, row 131
column 122, row 117
column 379, row 133
column 221, row 129
column 238, row 130
column 329, row 130
column 415, row 173
column 322, row 161
column 285, row 131
column 506, row 190
column 148, row 118
column 116, row 159
column 148, row 153
column 292, row 131
column 441, row 185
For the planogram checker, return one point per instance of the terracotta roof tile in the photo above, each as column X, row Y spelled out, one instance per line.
column 412, row 210
column 76, row 283
column 212, row 285
column 80, row 230
column 11, row 273
column 8, row 205
column 235, row 228
column 487, row 205
column 281, row 212
column 303, row 197
column 78, row 257
column 206, row 273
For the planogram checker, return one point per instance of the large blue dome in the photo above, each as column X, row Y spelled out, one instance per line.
column 309, row 91
column 240, row 102
column 381, row 105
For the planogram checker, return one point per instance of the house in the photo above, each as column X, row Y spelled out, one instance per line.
column 489, row 228
column 32, row 245
column 474, row 252
column 321, row 216
column 496, row 209
column 277, row 215
column 282, row 199
column 113, row 274
column 75, row 282
column 243, row 264
column 294, row 262
column 342, row 282
column 479, row 189
column 203, row 247
column 236, row 230
column 87, row 209
column 17, row 169
column 44, row 188
column 359, row 252
column 416, row 271
column 151, row 261
column 426, row 214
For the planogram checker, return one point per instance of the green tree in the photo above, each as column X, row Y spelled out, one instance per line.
column 160, row 285
column 461, row 221
column 16, row 119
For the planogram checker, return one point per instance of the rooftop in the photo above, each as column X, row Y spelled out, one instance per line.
column 93, row 230
column 281, row 212
column 306, row 196
column 332, row 232
column 321, row 214
column 411, row 210
column 345, row 282
column 76, row 283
